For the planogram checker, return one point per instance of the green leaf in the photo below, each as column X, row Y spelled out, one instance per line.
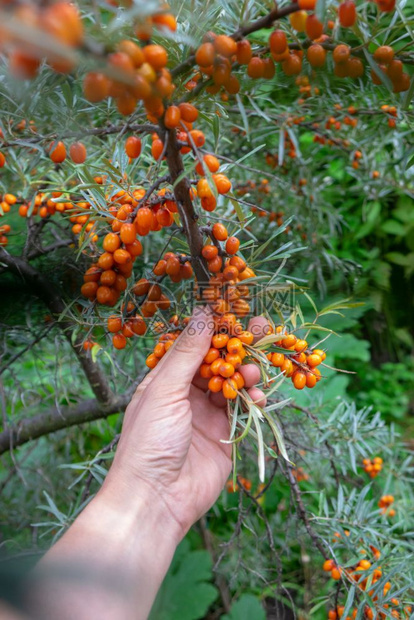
column 392, row 227
column 248, row 607
column 186, row 592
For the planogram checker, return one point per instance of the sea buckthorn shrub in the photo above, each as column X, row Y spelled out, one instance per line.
column 151, row 162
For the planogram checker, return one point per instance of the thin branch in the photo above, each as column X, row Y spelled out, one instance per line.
column 185, row 207
column 58, row 418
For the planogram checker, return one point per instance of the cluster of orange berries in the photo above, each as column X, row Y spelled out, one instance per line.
column 4, row 231
column 301, row 363
column 364, row 580
column 373, row 466
column 165, row 341
column 127, row 325
column 59, row 21
column 392, row 67
column 6, row 202
column 384, row 503
column 225, row 356
column 129, row 219
column 135, row 74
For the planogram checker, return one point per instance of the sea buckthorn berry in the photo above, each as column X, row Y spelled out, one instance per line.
column 313, row 360
column 277, row 359
column 328, row 565
column 299, row 380
column 111, row 242
column 133, row 147
column 311, row 380
column 209, row 252
column 289, row 341
column 238, row 380
column 215, row 264
column 255, row 68
column 314, row 27
column 269, row 68
column 152, row 360
column 108, row 277
column 336, row 573
column 156, row 56
column 298, row 20
column 341, row 53
column 244, row 52
column 307, row 5
column 106, row 260
column 197, row 137
column 95, row 87
column 238, row 262
column 57, row 152
column 277, row 42
column 321, row 353
column 222, row 183
column 89, row 289
column 287, row 367
column 122, row 256
column 219, row 340
column 189, row 113
column 219, row 232
column 301, row 345
column 128, row 233
column 159, row 350
column 229, row 389
column 316, row 55
column 234, row 346
column 205, row 55
column 211, row 355
column 225, row 46
column 141, row 287
column 384, row 54
column 215, row 384
column 77, row 152
column 292, row 65
column 347, row 13
column 226, row 370
column 172, row 117
column 246, row 337
column 119, row 341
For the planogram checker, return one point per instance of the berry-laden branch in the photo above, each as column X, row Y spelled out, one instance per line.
column 185, row 207
column 48, row 293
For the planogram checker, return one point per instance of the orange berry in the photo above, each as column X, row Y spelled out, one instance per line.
column 244, row 52
column 215, row 384
column 277, row 359
column 57, row 152
column 289, row 341
column 313, row 360
column 77, row 152
column 128, row 233
column 277, row 42
column 111, row 242
column 133, row 147
column 299, row 380
column 172, row 117
column 119, row 341
column 225, row 46
column 347, row 13
column 314, row 27
column 156, row 56
column 328, row 565
column 229, row 389
column 205, row 55
column 336, row 573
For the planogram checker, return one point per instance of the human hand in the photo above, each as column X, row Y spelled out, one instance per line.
column 170, row 446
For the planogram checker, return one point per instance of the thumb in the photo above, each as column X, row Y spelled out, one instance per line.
column 187, row 353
